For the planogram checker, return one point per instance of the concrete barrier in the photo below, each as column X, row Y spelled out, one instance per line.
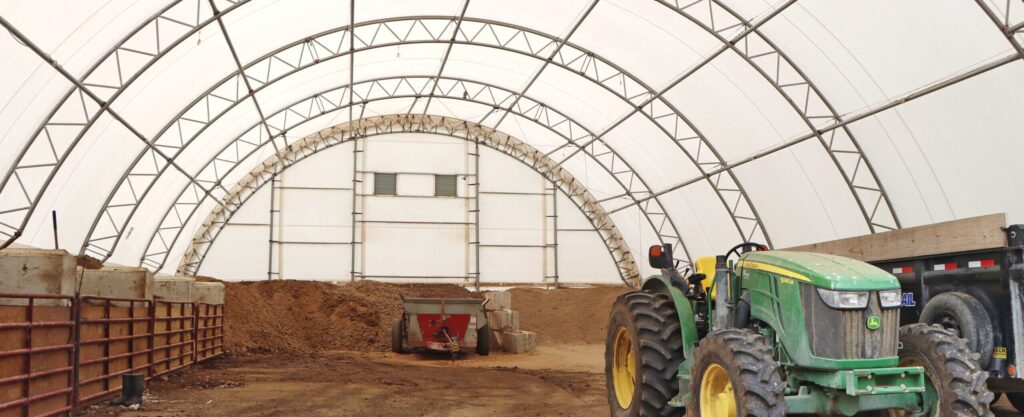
column 177, row 288
column 208, row 293
column 498, row 300
column 36, row 271
column 519, row 341
column 117, row 282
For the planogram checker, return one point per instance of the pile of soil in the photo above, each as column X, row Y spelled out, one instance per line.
column 286, row 316
column 566, row 315
column 88, row 262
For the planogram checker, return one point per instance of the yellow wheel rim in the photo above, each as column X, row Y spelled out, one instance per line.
column 716, row 396
column 623, row 368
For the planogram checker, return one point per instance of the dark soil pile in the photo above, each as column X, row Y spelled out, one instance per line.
column 566, row 315
column 288, row 316
column 88, row 262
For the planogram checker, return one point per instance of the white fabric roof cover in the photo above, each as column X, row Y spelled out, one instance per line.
column 711, row 120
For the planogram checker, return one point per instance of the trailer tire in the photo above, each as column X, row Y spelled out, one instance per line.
column 397, row 331
column 967, row 317
column 741, row 359
column 950, row 366
column 643, row 350
column 483, row 340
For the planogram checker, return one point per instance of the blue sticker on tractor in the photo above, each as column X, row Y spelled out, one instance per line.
column 908, row 300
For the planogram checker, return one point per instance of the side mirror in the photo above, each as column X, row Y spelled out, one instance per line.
column 660, row 256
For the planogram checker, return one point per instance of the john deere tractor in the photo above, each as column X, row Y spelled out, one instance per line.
column 758, row 333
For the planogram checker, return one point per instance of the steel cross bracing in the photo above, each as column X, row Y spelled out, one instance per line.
column 444, row 63
column 1014, row 32
column 302, row 111
column 166, row 16
column 83, row 91
column 384, row 125
column 276, row 65
column 802, row 95
column 104, row 81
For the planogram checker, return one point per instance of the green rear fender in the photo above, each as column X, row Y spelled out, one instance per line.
column 687, row 322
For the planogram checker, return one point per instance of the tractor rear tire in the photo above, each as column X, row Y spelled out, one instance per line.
column 642, row 355
column 967, row 317
column 397, row 331
column 735, row 373
column 950, row 366
column 483, row 340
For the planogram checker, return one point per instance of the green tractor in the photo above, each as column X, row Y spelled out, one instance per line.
column 778, row 333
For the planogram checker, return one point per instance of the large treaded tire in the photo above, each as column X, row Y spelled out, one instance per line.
column 653, row 327
column 951, row 365
column 968, row 316
column 754, row 373
column 396, row 336
column 483, row 340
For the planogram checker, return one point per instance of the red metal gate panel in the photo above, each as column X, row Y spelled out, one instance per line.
column 209, row 331
column 114, row 339
column 174, row 337
column 36, row 355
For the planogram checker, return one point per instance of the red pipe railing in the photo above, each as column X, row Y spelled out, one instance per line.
column 34, row 344
column 101, row 339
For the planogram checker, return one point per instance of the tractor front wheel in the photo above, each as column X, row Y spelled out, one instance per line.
column 955, row 382
column 642, row 356
column 735, row 375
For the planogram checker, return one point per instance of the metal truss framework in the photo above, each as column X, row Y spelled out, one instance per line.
column 129, row 62
column 241, row 148
column 391, row 124
column 177, row 135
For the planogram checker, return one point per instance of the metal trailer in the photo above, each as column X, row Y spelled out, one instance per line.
column 441, row 324
column 976, row 293
column 965, row 275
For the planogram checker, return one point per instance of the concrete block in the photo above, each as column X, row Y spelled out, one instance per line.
column 499, row 320
column 498, row 300
column 36, row 271
column 208, row 293
column 513, row 322
column 174, row 288
column 519, row 341
column 118, row 282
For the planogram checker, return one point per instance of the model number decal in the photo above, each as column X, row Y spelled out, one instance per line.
column 785, row 280
column 999, row 353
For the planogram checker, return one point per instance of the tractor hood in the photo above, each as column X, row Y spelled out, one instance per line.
column 825, row 271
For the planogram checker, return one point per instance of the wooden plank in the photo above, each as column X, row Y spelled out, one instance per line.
column 975, row 233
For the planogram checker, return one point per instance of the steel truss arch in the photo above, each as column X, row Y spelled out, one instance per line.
column 330, row 44
column 803, row 95
column 214, row 223
column 412, row 87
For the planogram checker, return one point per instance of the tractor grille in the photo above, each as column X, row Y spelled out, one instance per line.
column 843, row 334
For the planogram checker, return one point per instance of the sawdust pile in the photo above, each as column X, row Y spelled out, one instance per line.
column 566, row 315
column 288, row 316
column 88, row 262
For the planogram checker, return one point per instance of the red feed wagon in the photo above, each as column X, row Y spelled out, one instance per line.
column 441, row 324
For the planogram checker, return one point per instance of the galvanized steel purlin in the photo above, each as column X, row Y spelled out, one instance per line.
column 390, row 89
column 655, row 216
column 444, row 60
column 1004, row 26
column 984, row 67
column 383, row 125
column 104, row 107
column 305, row 60
column 803, row 96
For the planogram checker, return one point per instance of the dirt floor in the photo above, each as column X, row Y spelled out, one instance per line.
column 558, row 381
column 316, row 349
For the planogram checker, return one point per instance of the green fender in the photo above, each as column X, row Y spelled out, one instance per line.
column 687, row 327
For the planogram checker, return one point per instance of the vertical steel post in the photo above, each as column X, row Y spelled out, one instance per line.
column 270, row 238
column 476, row 209
column 554, row 227
column 356, row 176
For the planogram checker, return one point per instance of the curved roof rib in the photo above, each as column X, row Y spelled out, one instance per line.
column 193, row 258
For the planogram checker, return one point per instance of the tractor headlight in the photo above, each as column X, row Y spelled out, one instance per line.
column 890, row 298
column 845, row 300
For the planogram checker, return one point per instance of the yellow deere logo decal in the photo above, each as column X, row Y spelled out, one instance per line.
column 874, row 322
